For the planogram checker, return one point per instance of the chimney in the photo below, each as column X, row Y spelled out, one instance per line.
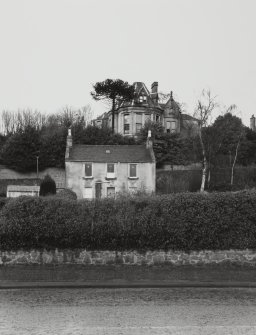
column 252, row 123
column 149, row 143
column 154, row 87
column 69, row 143
column 154, row 91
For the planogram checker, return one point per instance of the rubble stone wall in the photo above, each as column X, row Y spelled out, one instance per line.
column 41, row 257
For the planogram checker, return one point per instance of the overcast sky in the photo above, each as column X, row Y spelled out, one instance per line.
column 52, row 51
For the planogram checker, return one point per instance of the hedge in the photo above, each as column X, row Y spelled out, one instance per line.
column 188, row 221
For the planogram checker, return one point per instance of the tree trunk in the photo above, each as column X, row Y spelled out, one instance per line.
column 205, row 165
column 234, row 163
column 113, row 115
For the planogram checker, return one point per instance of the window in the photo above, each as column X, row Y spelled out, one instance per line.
column 87, row 193
column 133, row 171
column 173, row 126
column 110, row 170
column 157, row 118
column 88, row 169
column 132, row 190
column 138, row 122
column 111, row 192
column 126, row 123
column 141, row 98
column 147, row 117
column 168, row 126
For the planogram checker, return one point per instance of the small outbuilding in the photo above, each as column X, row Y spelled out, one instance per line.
column 14, row 191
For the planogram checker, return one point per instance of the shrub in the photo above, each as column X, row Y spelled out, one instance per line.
column 188, row 221
column 3, row 201
column 66, row 194
column 47, row 186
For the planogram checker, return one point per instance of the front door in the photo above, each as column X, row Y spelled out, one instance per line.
column 98, row 187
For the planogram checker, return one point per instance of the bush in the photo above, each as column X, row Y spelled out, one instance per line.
column 3, row 201
column 47, row 186
column 189, row 221
column 66, row 194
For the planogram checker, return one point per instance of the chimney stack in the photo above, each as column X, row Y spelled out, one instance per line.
column 154, row 91
column 252, row 123
column 69, row 143
column 154, row 87
column 149, row 143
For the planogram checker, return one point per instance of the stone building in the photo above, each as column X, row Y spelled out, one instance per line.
column 97, row 171
column 14, row 191
column 131, row 116
column 253, row 123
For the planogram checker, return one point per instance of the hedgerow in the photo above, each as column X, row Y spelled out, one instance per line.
column 188, row 221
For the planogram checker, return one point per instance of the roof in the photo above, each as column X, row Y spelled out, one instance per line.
column 23, row 188
column 140, row 89
column 110, row 153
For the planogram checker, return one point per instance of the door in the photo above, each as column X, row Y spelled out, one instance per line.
column 98, row 188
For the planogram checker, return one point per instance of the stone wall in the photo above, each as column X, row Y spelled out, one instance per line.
column 57, row 174
column 240, row 257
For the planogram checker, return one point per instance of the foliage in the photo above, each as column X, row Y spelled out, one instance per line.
column 52, row 148
column 20, row 150
column 47, row 186
column 114, row 91
column 66, row 194
column 189, row 221
column 102, row 135
column 3, row 201
column 177, row 181
column 169, row 148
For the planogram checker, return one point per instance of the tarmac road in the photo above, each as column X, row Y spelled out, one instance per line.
column 128, row 311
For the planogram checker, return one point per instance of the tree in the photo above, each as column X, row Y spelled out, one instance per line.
column 47, row 186
column 20, row 150
column 229, row 132
column 114, row 91
column 205, row 106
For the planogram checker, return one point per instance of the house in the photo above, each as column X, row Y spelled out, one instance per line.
column 98, row 171
column 131, row 116
column 14, row 191
column 252, row 123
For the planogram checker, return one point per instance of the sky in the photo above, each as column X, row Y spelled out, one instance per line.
column 53, row 51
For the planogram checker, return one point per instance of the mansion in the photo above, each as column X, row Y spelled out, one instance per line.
column 131, row 116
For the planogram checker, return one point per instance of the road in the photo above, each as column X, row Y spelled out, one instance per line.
column 136, row 311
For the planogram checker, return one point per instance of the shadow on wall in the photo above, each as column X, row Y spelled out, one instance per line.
column 178, row 181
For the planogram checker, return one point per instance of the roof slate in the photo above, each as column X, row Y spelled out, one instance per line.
column 117, row 153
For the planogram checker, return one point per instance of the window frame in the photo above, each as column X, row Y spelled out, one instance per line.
column 129, row 171
column 90, row 188
column 91, row 176
column 127, row 124
column 112, row 187
column 111, row 175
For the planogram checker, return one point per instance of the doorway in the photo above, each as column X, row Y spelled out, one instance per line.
column 98, row 190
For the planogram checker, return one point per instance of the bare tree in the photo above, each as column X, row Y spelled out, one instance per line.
column 20, row 119
column 203, row 112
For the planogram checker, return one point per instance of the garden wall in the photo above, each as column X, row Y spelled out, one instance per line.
column 149, row 258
